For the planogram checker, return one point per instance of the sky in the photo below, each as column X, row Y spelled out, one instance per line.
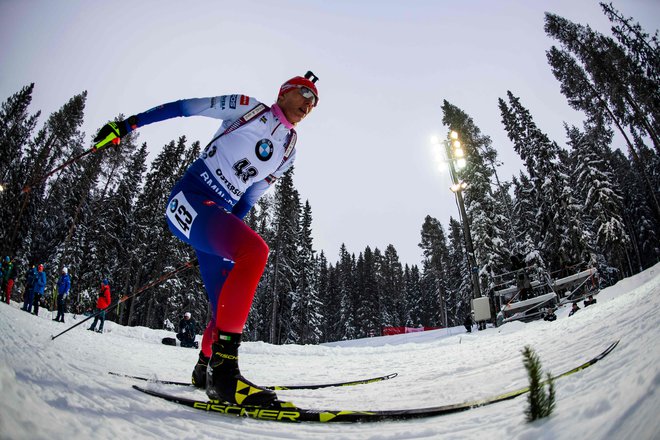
column 364, row 158
column 61, row 389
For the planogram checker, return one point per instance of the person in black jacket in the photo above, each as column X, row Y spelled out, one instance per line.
column 187, row 328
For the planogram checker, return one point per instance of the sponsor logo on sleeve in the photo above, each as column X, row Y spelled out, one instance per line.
column 245, row 100
column 232, row 101
column 223, row 102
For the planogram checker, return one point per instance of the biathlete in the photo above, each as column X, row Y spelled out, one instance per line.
column 252, row 148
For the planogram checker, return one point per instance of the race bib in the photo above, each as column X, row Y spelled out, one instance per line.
column 181, row 214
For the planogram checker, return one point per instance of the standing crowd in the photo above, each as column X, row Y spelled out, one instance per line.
column 35, row 287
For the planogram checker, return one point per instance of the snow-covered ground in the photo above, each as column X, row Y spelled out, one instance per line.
column 60, row 389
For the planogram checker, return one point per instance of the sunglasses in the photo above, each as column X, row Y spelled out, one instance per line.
column 307, row 93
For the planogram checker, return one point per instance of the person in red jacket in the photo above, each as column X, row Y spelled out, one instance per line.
column 102, row 303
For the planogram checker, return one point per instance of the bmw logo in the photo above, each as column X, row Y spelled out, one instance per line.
column 264, row 149
column 174, row 204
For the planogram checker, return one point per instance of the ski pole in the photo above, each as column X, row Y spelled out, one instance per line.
column 164, row 277
column 28, row 188
column 94, row 148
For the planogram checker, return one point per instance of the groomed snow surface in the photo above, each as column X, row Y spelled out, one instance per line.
column 61, row 389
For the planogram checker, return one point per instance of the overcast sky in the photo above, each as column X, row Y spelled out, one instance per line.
column 364, row 157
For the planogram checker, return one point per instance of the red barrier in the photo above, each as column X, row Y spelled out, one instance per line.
column 388, row 331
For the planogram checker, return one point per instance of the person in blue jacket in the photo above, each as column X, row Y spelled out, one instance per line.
column 63, row 286
column 28, row 295
column 38, row 288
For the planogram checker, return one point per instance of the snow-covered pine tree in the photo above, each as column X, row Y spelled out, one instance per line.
column 18, row 126
column 368, row 300
column 413, row 291
column 436, row 266
column 260, row 219
column 346, row 288
column 307, row 313
column 563, row 242
column 157, row 250
column 459, row 283
column 56, row 140
column 596, row 187
column 638, row 214
column 283, row 259
column 121, row 221
column 393, row 294
column 601, row 78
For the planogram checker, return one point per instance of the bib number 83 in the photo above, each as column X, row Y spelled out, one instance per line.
column 181, row 214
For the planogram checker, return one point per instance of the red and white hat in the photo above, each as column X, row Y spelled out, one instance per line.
column 298, row 81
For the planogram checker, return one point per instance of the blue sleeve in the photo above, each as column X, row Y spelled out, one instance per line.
column 250, row 197
column 228, row 107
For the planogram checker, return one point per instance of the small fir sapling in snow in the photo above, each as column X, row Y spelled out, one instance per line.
column 541, row 403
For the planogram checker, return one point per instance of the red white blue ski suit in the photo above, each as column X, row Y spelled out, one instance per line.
column 252, row 148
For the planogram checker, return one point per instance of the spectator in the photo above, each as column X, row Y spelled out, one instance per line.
column 523, row 282
column 187, row 328
column 63, row 286
column 468, row 323
column 28, row 294
column 550, row 314
column 8, row 277
column 102, row 303
column 38, row 288
column 589, row 301
column 574, row 309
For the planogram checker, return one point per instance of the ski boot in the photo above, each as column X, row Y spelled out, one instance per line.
column 224, row 381
column 199, row 372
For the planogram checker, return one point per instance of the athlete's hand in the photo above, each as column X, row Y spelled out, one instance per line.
column 112, row 132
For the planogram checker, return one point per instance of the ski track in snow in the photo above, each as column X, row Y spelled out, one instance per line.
column 61, row 389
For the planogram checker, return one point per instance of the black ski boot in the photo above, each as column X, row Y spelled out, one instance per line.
column 199, row 372
column 224, row 381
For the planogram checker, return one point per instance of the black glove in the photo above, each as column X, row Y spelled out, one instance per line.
column 114, row 131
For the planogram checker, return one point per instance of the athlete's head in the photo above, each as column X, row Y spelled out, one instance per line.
column 298, row 96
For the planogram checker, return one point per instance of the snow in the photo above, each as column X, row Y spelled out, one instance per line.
column 61, row 389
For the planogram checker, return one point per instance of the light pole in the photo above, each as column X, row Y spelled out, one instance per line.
column 456, row 159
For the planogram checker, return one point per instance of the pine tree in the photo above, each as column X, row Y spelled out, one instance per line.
column 638, row 215
column 158, row 251
column 596, row 184
column 346, row 288
column 459, row 283
column 436, row 266
column 284, row 255
column 58, row 138
column 562, row 239
column 603, row 79
column 18, row 126
column 307, row 313
column 541, row 404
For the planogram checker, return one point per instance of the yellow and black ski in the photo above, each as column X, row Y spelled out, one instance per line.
column 274, row 387
column 288, row 412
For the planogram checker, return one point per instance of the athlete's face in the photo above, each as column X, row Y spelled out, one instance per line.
column 295, row 106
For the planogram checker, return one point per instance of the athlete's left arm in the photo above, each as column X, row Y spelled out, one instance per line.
column 257, row 189
column 249, row 198
column 226, row 107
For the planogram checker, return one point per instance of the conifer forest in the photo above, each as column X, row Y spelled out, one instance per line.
column 578, row 202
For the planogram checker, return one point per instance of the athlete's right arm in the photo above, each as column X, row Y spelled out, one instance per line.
column 228, row 107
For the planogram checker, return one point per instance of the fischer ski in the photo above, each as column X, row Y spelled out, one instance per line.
column 274, row 387
column 288, row 412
